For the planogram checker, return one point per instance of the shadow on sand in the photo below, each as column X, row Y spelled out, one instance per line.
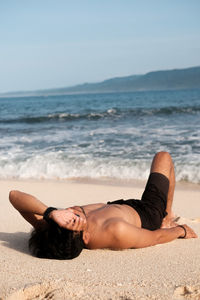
column 17, row 241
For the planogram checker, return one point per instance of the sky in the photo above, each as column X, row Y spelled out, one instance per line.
column 51, row 44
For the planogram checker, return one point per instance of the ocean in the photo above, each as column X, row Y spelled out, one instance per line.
column 99, row 136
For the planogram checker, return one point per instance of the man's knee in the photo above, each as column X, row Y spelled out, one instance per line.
column 163, row 155
column 162, row 163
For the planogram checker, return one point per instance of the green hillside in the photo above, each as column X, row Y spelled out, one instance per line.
column 158, row 80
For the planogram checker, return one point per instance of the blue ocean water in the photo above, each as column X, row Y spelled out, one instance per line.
column 99, row 135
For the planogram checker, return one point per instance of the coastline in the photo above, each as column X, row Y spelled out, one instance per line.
column 107, row 181
column 168, row 271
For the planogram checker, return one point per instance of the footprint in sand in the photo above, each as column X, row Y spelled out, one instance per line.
column 54, row 290
column 187, row 292
column 38, row 291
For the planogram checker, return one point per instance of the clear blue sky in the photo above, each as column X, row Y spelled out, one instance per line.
column 46, row 44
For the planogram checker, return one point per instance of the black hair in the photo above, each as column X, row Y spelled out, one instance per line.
column 55, row 242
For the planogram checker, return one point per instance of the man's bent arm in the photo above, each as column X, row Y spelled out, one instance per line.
column 33, row 210
column 125, row 235
column 29, row 207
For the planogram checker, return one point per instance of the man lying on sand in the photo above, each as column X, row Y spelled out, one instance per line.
column 121, row 224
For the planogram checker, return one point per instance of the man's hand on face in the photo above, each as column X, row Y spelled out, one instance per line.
column 68, row 219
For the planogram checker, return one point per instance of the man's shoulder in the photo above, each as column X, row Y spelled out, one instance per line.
column 119, row 233
column 116, row 227
column 113, row 223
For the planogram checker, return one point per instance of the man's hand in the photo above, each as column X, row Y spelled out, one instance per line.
column 169, row 222
column 189, row 232
column 67, row 219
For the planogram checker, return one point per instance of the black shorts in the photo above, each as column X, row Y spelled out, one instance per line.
column 152, row 206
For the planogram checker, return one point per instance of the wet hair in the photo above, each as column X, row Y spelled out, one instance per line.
column 55, row 242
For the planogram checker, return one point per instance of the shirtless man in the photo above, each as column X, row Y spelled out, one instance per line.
column 63, row 233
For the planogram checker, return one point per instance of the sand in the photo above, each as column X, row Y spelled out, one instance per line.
column 168, row 271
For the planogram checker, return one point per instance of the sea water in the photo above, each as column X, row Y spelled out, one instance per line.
column 98, row 136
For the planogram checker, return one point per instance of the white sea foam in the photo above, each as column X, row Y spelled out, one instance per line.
column 57, row 166
column 111, row 111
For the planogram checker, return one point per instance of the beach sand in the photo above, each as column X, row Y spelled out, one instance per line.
column 168, row 271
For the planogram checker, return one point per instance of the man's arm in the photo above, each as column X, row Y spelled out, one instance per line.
column 124, row 235
column 33, row 210
column 29, row 207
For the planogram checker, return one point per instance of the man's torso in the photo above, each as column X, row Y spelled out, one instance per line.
column 99, row 218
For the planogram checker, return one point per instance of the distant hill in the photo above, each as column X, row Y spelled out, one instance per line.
column 158, row 80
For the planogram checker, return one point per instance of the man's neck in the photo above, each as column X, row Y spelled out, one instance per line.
column 83, row 211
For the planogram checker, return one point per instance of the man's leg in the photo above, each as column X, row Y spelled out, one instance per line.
column 162, row 163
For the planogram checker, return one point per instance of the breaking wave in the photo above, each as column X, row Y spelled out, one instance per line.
column 110, row 113
column 54, row 166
